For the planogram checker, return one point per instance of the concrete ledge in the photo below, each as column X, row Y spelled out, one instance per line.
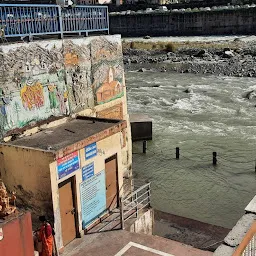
column 224, row 250
column 251, row 207
column 236, row 235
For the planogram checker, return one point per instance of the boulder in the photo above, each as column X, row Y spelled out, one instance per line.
column 250, row 95
column 188, row 90
column 142, row 70
column 228, row 54
column 200, row 54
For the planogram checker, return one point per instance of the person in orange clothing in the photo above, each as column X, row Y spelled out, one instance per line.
column 45, row 236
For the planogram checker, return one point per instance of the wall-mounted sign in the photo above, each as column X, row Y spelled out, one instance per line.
column 93, row 198
column 1, row 234
column 68, row 164
column 88, row 171
column 91, row 151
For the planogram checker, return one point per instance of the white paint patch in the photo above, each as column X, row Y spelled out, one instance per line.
column 1, row 234
column 142, row 247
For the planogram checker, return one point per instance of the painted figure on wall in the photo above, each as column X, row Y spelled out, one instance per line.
column 63, row 101
column 52, row 95
column 32, row 95
column 109, row 89
column 5, row 109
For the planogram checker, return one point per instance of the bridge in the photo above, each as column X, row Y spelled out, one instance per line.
column 28, row 20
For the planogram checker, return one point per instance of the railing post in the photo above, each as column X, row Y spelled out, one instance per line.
column 107, row 20
column 214, row 158
column 136, row 202
column 177, row 153
column 60, row 22
column 148, row 189
column 144, row 146
column 122, row 213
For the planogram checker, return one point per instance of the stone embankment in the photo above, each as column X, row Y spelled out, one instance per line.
column 239, row 62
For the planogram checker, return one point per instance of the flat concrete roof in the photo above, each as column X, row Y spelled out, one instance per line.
column 137, row 118
column 61, row 136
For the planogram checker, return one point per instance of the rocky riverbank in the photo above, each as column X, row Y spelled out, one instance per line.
column 231, row 61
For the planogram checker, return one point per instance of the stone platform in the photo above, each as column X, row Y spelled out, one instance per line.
column 141, row 127
column 124, row 243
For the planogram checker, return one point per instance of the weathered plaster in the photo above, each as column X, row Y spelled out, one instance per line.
column 57, row 78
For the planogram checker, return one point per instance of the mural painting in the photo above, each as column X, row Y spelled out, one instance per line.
column 54, row 78
column 32, row 85
column 32, row 95
column 77, row 60
column 115, row 112
column 107, row 69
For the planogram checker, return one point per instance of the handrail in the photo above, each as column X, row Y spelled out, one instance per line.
column 248, row 245
column 131, row 205
column 21, row 20
column 137, row 190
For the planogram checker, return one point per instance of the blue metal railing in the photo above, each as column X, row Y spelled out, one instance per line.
column 18, row 20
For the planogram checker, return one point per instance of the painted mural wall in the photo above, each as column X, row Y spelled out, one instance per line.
column 56, row 78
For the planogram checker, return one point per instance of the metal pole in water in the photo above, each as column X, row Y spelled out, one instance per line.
column 214, row 158
column 177, row 153
column 144, row 146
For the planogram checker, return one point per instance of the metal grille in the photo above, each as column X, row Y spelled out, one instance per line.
column 28, row 20
column 85, row 19
column 250, row 249
column 133, row 204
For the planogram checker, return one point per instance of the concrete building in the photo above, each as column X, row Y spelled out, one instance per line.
column 66, row 141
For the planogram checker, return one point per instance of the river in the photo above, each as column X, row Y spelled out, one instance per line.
column 213, row 116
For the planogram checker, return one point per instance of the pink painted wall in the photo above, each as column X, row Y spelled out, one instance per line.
column 17, row 240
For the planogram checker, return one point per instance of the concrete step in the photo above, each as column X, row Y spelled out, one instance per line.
column 112, row 222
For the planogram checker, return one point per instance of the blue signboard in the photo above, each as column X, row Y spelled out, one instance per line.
column 91, row 151
column 88, row 171
column 93, row 198
column 68, row 164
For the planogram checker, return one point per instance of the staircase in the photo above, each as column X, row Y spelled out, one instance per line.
column 130, row 208
column 111, row 222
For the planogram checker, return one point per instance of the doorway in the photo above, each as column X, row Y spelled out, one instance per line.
column 67, row 199
column 112, row 188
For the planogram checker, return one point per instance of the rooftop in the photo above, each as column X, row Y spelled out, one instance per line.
column 61, row 136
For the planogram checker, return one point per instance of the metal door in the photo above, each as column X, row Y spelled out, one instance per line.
column 111, row 182
column 67, row 211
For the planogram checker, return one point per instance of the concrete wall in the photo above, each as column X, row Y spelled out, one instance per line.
column 26, row 171
column 17, row 236
column 106, row 148
column 242, row 21
column 144, row 224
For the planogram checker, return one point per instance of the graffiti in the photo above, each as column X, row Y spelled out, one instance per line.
column 109, row 89
column 32, row 96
